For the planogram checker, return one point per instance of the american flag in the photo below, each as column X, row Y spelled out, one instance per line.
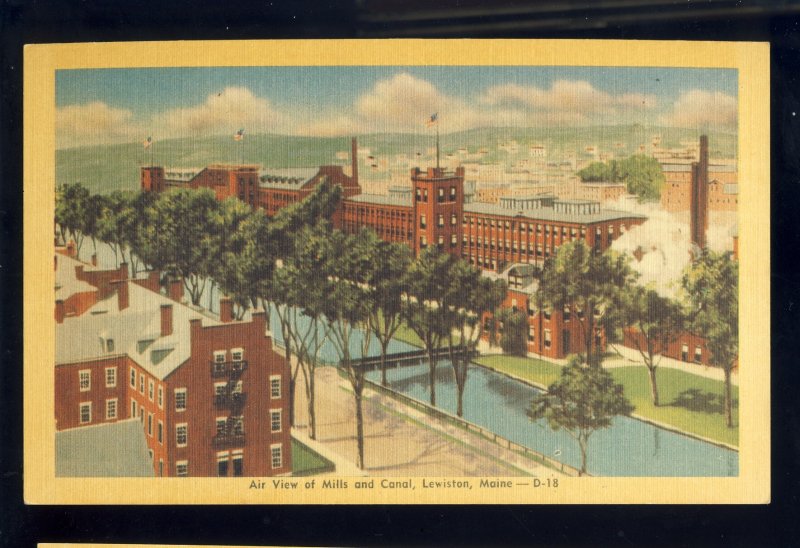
column 433, row 120
column 239, row 135
column 147, row 142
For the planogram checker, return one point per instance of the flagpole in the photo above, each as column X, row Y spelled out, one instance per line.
column 437, row 144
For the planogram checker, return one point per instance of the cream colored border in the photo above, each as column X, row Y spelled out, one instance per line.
column 752, row 61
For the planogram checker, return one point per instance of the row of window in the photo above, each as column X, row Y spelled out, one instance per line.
column 423, row 241
column 379, row 212
column 423, row 220
column 422, row 194
column 85, row 378
column 234, row 461
column 152, row 395
column 159, row 433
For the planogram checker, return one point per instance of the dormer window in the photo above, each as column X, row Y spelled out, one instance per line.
column 109, row 345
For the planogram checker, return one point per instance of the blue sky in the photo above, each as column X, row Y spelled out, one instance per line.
column 102, row 105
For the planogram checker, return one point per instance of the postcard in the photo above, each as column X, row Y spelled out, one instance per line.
column 397, row 271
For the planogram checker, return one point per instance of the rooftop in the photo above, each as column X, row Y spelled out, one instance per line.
column 381, row 199
column 66, row 282
column 110, row 450
column 290, row 178
column 549, row 214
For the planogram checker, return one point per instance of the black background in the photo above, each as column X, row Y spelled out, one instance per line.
column 107, row 20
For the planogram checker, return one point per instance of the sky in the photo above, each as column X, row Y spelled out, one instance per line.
column 125, row 105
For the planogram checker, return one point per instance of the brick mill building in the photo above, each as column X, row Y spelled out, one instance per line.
column 209, row 392
column 432, row 210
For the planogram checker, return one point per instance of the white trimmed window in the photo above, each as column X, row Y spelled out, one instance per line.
column 181, row 434
column 161, row 397
column 237, row 354
column 111, row 377
column 221, row 425
column 275, row 420
column 133, row 408
column 160, row 432
column 219, row 360
column 182, row 468
column 133, row 377
column 180, row 399
column 86, row 412
column 141, row 383
column 151, row 388
column 276, row 453
column 237, row 460
column 85, row 379
column 275, row 386
column 238, row 425
column 150, row 424
column 698, row 354
column 547, row 339
column 219, row 389
column 111, row 409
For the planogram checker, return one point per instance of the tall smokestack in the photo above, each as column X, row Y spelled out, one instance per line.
column 698, row 213
column 354, row 159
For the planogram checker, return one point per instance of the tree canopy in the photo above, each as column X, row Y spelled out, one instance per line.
column 642, row 175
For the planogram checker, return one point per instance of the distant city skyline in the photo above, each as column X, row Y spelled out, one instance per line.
column 124, row 105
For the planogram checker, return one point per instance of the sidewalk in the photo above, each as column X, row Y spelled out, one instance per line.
column 631, row 357
column 400, row 441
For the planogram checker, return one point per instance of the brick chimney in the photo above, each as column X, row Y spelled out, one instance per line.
column 225, row 310
column 166, row 320
column 175, row 290
column 123, row 270
column 94, row 259
column 55, row 262
column 354, row 159
column 61, row 311
column 123, row 297
column 698, row 212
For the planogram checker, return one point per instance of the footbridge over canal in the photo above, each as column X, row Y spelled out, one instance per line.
column 409, row 358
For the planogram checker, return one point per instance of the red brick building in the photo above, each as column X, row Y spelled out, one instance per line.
column 210, row 392
column 431, row 211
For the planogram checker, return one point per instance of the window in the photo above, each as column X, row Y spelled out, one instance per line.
column 181, row 434
column 531, row 334
column 276, row 451
column 238, row 464
column 160, row 467
column 151, row 388
column 440, row 240
column 110, row 345
column 221, row 425
column 237, row 354
column 111, row 409
column 440, row 195
column 182, row 468
column 222, row 464
column 219, row 389
column 275, row 387
column 454, row 240
column 567, row 314
column 440, row 220
column 180, row 399
column 141, row 383
column 453, row 219
column 150, row 424
column 547, row 339
column 160, row 432
column 685, row 352
column 85, row 380
column 698, row 354
column 161, row 397
column 452, row 194
column 141, row 414
column 86, row 412
column 275, row 420
column 423, row 221
column 419, row 195
column 133, row 377
column 423, row 241
column 238, row 425
column 111, row 377
column 539, row 229
column 425, row 195
column 133, row 408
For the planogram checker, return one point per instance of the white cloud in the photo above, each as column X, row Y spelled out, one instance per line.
column 226, row 111
column 575, row 101
column 94, row 122
column 698, row 109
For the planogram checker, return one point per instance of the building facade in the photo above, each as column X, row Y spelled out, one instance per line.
column 210, row 392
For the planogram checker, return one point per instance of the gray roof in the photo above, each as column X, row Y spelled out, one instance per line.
column 110, row 450
column 549, row 214
column 291, row 178
column 381, row 199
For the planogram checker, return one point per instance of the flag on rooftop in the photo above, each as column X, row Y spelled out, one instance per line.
column 433, row 120
column 239, row 135
column 147, row 142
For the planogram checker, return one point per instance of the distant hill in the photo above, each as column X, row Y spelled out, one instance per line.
column 103, row 168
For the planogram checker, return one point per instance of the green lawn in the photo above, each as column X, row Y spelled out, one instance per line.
column 307, row 462
column 406, row 334
column 689, row 403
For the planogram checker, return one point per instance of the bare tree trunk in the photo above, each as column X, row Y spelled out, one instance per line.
column 728, row 398
column 432, row 375
column 460, row 406
column 653, row 386
column 312, row 415
column 582, row 442
column 292, row 385
column 359, row 427
column 384, row 349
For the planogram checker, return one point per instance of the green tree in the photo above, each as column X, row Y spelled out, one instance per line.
column 346, row 270
column 392, row 261
column 471, row 296
column 72, row 209
column 179, row 238
column 711, row 284
column 424, row 311
column 658, row 321
column 584, row 400
column 228, row 271
column 513, row 335
column 641, row 174
column 590, row 284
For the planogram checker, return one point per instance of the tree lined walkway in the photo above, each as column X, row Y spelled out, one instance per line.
column 404, row 442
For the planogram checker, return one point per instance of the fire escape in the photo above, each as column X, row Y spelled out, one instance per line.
column 229, row 399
